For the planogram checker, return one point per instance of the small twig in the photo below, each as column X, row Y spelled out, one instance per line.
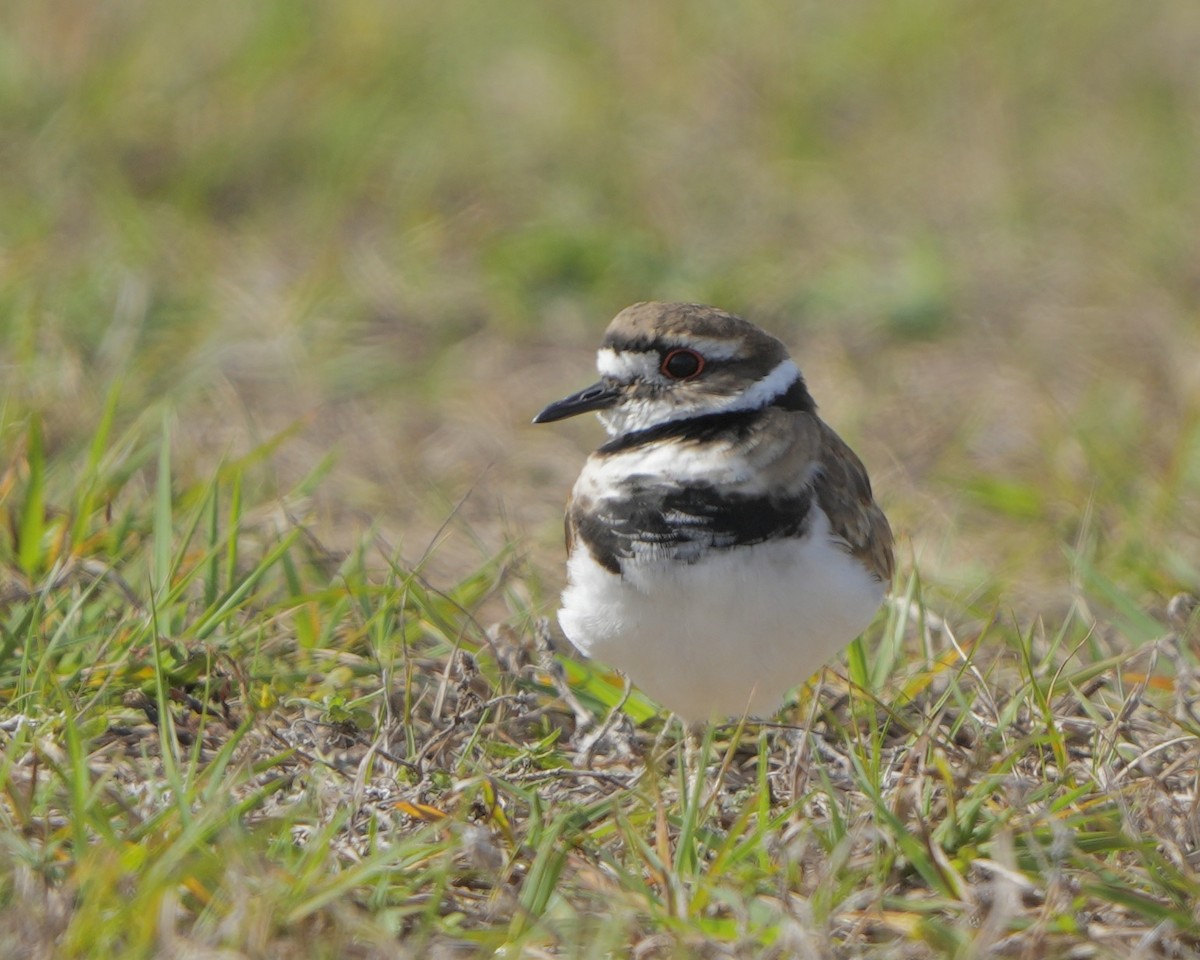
column 614, row 717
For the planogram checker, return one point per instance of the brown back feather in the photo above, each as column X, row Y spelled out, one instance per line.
column 844, row 492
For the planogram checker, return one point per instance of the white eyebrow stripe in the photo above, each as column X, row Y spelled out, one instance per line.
column 762, row 391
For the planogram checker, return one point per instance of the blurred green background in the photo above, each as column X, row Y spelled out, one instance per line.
column 399, row 228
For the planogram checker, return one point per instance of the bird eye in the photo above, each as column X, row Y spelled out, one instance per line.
column 682, row 364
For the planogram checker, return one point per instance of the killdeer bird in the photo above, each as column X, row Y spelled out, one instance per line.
column 724, row 543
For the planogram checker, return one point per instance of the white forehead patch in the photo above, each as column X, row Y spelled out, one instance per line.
column 627, row 365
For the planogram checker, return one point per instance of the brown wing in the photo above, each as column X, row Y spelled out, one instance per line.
column 568, row 529
column 844, row 492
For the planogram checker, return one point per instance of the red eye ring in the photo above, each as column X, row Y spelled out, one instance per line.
column 681, row 364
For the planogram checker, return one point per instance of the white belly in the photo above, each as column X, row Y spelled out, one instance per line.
column 729, row 634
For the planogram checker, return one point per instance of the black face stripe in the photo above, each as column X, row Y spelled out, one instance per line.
column 694, row 429
column 682, row 523
column 712, row 426
column 642, row 344
column 796, row 397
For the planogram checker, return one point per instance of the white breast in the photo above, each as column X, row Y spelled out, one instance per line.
column 729, row 634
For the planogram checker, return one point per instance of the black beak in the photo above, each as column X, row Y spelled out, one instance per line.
column 599, row 396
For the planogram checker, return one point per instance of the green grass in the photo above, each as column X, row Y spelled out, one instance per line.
column 221, row 734
column 280, row 287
